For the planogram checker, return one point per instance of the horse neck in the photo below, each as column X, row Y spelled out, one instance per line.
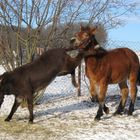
column 92, row 44
column 74, row 62
column 78, row 58
column 94, row 41
column 93, row 62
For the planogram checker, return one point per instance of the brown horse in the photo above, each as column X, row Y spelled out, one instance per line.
column 108, row 67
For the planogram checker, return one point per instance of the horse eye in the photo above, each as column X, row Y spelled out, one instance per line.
column 86, row 35
column 76, row 34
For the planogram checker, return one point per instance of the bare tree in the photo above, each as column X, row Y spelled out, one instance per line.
column 35, row 15
column 25, row 24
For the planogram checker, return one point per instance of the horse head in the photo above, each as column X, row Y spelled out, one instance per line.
column 85, row 38
column 1, row 93
column 5, row 86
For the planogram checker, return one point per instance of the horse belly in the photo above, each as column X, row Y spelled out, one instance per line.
column 118, row 76
column 42, row 80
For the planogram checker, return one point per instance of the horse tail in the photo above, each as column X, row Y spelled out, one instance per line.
column 138, row 78
column 1, row 77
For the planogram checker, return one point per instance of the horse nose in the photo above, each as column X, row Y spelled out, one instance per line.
column 72, row 40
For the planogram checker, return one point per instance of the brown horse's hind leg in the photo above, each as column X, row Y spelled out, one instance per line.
column 101, row 98
column 133, row 93
column 124, row 91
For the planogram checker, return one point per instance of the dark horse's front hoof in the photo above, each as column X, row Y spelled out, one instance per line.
column 30, row 122
column 7, row 120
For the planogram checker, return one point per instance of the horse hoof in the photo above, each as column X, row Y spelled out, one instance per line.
column 130, row 113
column 97, row 119
column 106, row 110
column 76, row 85
column 30, row 122
column 117, row 113
column 94, row 99
column 126, row 111
column 7, row 120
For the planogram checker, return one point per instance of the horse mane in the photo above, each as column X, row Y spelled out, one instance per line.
column 4, row 77
column 100, row 52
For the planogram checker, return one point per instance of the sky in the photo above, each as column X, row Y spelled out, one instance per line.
column 129, row 32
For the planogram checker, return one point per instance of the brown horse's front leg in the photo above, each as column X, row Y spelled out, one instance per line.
column 13, row 110
column 94, row 89
column 99, row 112
column 101, row 98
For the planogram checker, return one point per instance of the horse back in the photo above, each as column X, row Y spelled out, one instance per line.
column 123, row 56
column 37, row 74
column 123, row 62
column 113, row 66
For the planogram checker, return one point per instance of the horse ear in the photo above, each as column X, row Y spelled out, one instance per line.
column 87, row 28
column 81, row 27
column 94, row 30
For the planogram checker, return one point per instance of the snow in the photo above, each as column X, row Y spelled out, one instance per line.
column 62, row 115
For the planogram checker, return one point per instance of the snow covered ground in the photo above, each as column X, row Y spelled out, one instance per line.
column 64, row 116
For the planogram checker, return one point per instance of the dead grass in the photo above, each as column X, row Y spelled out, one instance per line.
column 21, row 130
column 51, row 129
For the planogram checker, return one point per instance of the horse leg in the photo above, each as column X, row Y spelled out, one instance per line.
column 124, row 91
column 94, row 89
column 101, row 98
column 106, row 109
column 73, row 80
column 133, row 93
column 14, row 108
column 30, row 108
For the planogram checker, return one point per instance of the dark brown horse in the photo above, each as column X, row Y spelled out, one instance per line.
column 108, row 67
column 24, row 81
